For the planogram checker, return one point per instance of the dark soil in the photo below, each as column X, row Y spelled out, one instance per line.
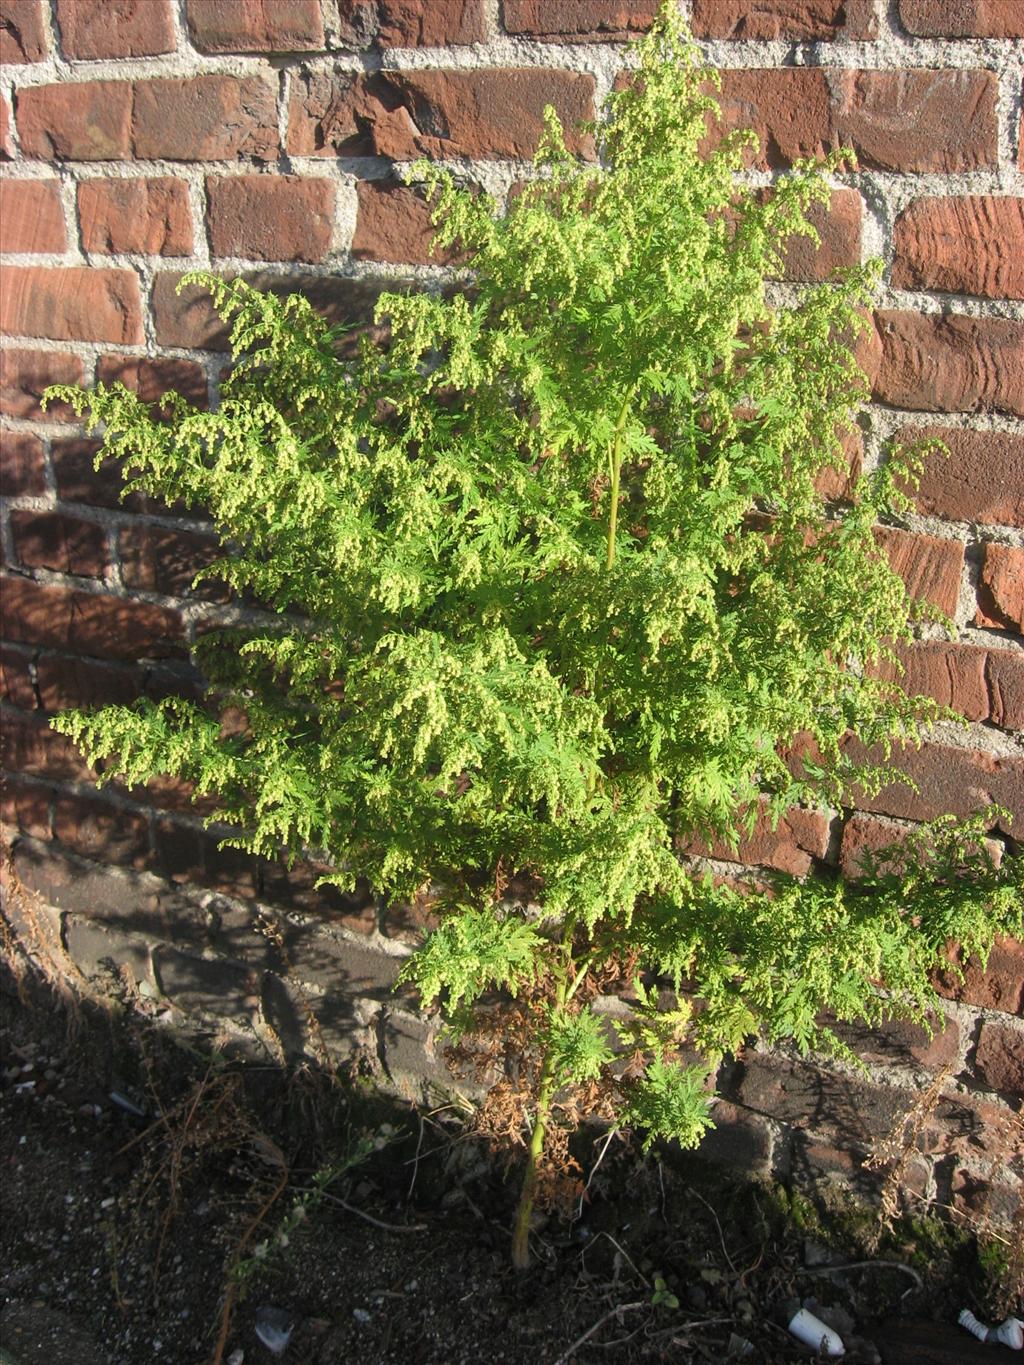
column 123, row 1234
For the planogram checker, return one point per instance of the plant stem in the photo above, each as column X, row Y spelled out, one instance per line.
column 616, row 471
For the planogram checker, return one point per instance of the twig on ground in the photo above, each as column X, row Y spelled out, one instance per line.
column 721, row 1234
column 416, row 1162
column 593, row 1170
column 866, row 1265
column 360, row 1213
column 621, row 1308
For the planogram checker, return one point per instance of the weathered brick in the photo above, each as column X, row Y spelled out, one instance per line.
column 894, row 120
column 211, row 985
column 115, row 28
column 153, row 378
column 827, row 1103
column 295, row 888
column 90, row 623
column 838, row 226
column 492, row 113
column 408, row 1052
column 578, row 21
column 21, row 458
column 22, row 36
column 864, row 837
column 6, row 123
column 51, row 540
column 409, row 923
column 255, row 25
column 179, row 851
column 837, row 483
column 961, row 18
column 930, row 567
column 99, row 949
column 270, row 218
column 16, row 677
column 98, row 829
column 796, row 20
column 1004, row 675
column 205, row 118
column 410, row 23
column 330, row 962
column 1001, row 589
column 31, row 216
column 901, row 1042
column 916, row 120
column 28, row 745
column 150, row 216
column 231, row 871
column 800, row 837
column 65, row 681
column 393, row 224
column 738, row 1138
column 972, row 244
column 949, row 779
column 160, row 559
column 26, row 806
column 999, row 985
column 75, row 121
column 25, row 375
column 965, row 1125
column 981, row 479
column 999, row 1060
column 71, row 303
column 186, row 319
column 950, row 363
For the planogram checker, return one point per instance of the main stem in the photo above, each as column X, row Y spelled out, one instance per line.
column 616, row 470
column 545, row 1095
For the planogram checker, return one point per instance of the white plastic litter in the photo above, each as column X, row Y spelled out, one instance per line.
column 1009, row 1333
column 813, row 1332
column 274, row 1328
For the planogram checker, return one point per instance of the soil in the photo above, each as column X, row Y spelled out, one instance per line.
column 147, row 1182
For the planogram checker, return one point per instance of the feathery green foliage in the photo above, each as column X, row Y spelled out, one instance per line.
column 556, row 592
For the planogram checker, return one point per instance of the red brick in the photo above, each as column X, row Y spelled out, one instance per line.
column 295, row 888
column 270, row 218
column 950, row 780
column 64, row 681
column 26, row 807
column 22, row 36
column 205, row 118
column 115, row 28
column 867, row 835
column 394, row 224
column 997, row 986
column 78, row 480
column 838, row 226
column 71, row 303
column 89, row 623
column 187, row 319
column 21, row 465
column 982, row 479
column 28, row 745
column 158, row 559
column 954, row 675
column 950, row 363
column 95, row 828
column 489, row 113
column 999, row 1060
column 940, row 121
column 800, row 837
column 153, row 377
column 17, row 687
column 24, row 375
column 75, row 121
column 971, row 244
column 578, row 21
column 930, row 567
column 796, row 20
column 255, row 25
column 179, row 851
column 1001, row 589
column 31, row 216
column 827, row 1103
column 787, row 107
column 961, row 18
column 837, row 484
column 51, row 540
column 901, row 1042
column 6, row 123
column 1004, row 674
column 148, row 216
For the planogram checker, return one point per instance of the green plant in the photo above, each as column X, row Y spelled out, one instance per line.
column 556, row 593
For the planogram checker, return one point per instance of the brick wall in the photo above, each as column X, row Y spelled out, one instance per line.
column 145, row 137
